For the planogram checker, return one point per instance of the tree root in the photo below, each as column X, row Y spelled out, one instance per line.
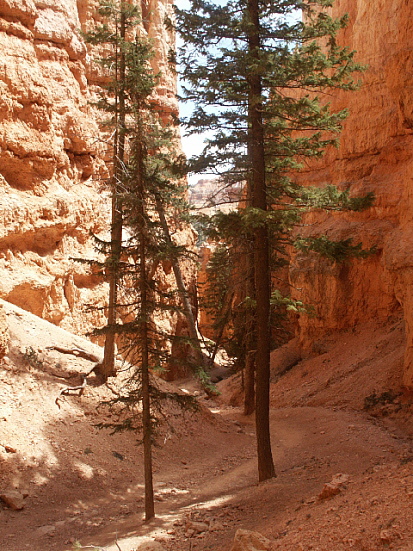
column 69, row 389
column 77, row 352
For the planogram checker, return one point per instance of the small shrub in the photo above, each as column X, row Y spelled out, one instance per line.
column 32, row 358
column 387, row 397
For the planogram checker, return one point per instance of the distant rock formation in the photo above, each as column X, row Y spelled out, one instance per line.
column 209, row 195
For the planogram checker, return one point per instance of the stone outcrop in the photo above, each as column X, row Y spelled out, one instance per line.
column 375, row 154
column 50, row 161
column 52, row 156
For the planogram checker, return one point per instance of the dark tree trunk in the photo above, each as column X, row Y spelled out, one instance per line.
column 146, row 404
column 145, row 309
column 250, row 340
column 250, row 344
column 108, row 368
column 262, row 276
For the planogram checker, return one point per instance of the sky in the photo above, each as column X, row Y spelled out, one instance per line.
column 192, row 145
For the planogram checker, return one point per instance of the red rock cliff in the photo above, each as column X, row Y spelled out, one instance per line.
column 376, row 154
column 51, row 156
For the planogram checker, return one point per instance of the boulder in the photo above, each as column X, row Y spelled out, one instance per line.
column 197, row 527
column 13, row 499
column 245, row 540
column 333, row 488
column 150, row 545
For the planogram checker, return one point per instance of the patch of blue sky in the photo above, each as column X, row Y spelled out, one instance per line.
column 193, row 144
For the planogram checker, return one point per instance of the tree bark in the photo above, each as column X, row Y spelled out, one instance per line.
column 145, row 308
column 108, row 368
column 262, row 276
column 250, row 344
column 146, row 404
column 250, row 339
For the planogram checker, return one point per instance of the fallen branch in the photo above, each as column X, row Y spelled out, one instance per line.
column 76, row 352
column 69, row 389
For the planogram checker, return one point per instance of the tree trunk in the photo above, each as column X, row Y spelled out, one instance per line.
column 108, row 368
column 146, row 404
column 218, row 337
column 262, row 277
column 249, row 383
column 250, row 336
column 250, row 344
column 193, row 333
column 145, row 309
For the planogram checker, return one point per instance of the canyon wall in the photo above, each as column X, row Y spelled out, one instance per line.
column 52, row 156
column 375, row 154
column 52, row 167
column 49, row 159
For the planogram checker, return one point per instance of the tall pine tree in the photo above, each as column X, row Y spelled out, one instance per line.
column 146, row 198
column 121, row 18
column 257, row 71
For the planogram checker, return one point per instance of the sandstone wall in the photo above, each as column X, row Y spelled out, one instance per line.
column 51, row 156
column 376, row 154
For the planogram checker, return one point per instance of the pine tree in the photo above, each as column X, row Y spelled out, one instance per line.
column 121, row 18
column 257, row 74
column 145, row 188
column 122, row 21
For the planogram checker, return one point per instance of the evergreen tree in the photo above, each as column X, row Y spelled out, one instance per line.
column 145, row 188
column 257, row 75
column 122, row 21
column 121, row 17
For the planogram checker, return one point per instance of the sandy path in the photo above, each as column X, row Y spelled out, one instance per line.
column 310, row 445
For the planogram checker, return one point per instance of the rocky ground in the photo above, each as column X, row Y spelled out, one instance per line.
column 342, row 444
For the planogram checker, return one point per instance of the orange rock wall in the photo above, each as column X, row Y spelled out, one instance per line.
column 51, row 156
column 375, row 154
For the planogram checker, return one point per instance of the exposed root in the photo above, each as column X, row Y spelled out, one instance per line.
column 69, row 389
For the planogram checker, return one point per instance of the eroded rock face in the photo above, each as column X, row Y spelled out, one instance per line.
column 52, row 157
column 376, row 154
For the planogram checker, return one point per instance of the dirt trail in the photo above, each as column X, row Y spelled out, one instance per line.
column 86, row 486
column 311, row 446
